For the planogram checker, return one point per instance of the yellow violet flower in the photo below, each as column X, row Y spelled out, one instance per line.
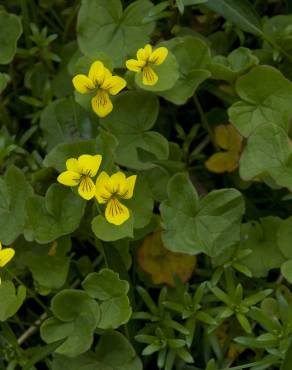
column 109, row 189
column 79, row 172
column 146, row 58
column 101, row 81
column 6, row 254
column 227, row 138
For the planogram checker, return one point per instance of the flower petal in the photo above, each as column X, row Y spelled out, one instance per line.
column 97, row 73
column 158, row 56
column 6, row 255
column 144, row 53
column 116, row 213
column 129, row 187
column 149, row 76
column 101, row 103
column 135, row 65
column 72, row 164
column 83, row 84
column 69, row 178
column 114, row 84
column 117, row 183
column 86, row 188
column 89, row 164
column 102, row 192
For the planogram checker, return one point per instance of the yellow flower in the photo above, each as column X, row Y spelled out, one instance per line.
column 145, row 59
column 109, row 189
column 6, row 255
column 101, row 81
column 79, row 172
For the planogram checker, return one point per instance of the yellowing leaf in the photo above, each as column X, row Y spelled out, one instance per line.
column 162, row 264
column 222, row 162
column 228, row 139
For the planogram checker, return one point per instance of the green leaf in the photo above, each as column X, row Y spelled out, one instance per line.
column 141, row 204
column 105, row 284
column 261, row 238
column 105, row 144
column 133, row 116
column 193, row 56
column 10, row 31
column 279, row 29
column 265, row 97
column 268, row 152
column 65, row 121
column 286, row 270
column 104, row 26
column 107, row 232
column 284, row 237
column 49, row 272
column 11, row 299
column 14, row 191
column 192, row 226
column 76, row 317
column 107, row 287
column 239, row 12
column 113, row 352
column 286, row 364
column 4, row 79
column 57, row 214
column 167, row 74
column 40, row 353
column 235, row 64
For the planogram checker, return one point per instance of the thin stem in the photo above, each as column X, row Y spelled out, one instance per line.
column 25, row 17
column 70, row 19
column 199, row 148
column 204, row 120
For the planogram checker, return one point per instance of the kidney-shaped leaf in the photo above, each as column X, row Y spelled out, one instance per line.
column 235, row 64
column 265, row 97
column 57, row 214
column 268, row 151
column 113, row 352
column 107, row 287
column 261, row 238
column 134, row 115
column 208, row 225
column 193, row 56
column 103, row 26
column 76, row 317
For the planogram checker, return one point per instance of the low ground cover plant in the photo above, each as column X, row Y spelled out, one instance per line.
column 145, row 187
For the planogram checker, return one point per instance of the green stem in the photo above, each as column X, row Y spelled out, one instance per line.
column 25, row 18
column 70, row 19
column 30, row 291
column 204, row 120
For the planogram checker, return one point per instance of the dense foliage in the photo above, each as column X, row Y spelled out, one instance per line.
column 145, row 189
